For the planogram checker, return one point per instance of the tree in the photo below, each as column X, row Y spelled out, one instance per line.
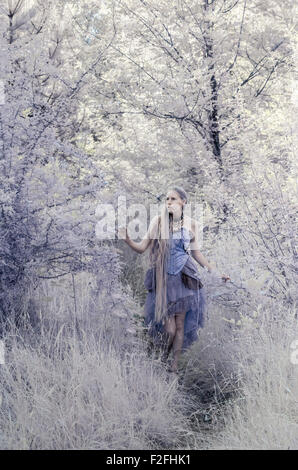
column 49, row 185
column 201, row 76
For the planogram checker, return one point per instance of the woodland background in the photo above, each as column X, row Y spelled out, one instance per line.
column 100, row 99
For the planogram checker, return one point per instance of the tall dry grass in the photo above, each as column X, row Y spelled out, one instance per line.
column 264, row 413
column 86, row 384
column 244, row 374
column 83, row 378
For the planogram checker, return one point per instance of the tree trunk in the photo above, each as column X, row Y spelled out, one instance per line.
column 214, row 133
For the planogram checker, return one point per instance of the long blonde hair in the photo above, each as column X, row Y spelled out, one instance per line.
column 159, row 254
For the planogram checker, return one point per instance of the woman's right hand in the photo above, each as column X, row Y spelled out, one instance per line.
column 225, row 277
column 122, row 233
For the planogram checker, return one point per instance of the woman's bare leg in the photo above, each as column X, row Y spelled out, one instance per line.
column 178, row 340
column 170, row 327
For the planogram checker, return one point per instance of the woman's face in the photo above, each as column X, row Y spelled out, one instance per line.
column 174, row 203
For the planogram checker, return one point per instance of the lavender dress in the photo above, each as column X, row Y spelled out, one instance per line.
column 179, row 297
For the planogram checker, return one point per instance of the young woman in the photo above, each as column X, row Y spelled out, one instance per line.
column 176, row 298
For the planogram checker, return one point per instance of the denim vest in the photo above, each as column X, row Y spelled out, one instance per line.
column 178, row 254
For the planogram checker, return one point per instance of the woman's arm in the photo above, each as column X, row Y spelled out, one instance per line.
column 142, row 246
column 194, row 247
column 198, row 256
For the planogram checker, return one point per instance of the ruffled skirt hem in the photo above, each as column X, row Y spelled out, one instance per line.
column 179, row 299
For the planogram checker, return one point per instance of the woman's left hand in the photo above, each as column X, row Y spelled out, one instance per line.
column 225, row 277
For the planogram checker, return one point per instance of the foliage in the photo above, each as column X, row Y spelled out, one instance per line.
column 49, row 185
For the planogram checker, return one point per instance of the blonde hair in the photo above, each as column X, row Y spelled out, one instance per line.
column 159, row 254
